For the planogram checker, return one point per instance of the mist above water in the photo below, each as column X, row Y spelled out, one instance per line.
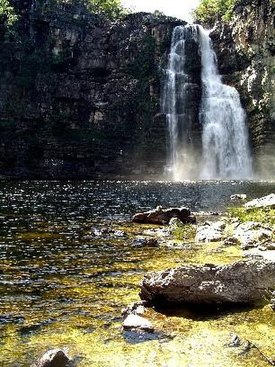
column 224, row 152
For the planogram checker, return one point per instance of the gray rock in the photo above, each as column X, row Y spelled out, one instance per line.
column 145, row 242
column 263, row 202
column 210, row 232
column 133, row 321
column 136, row 308
column 54, row 358
column 252, row 234
column 238, row 197
column 231, row 241
column 163, row 216
column 241, row 282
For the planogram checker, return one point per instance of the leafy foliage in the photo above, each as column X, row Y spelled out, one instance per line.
column 111, row 8
column 264, row 215
column 7, row 14
column 210, row 11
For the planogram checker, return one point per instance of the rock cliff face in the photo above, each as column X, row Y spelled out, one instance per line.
column 79, row 95
column 246, row 56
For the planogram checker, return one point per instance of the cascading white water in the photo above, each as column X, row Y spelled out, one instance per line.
column 225, row 149
column 174, row 106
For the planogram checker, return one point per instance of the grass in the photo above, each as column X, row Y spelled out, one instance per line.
column 263, row 215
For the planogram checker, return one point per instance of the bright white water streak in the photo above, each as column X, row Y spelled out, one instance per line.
column 174, row 106
column 225, row 151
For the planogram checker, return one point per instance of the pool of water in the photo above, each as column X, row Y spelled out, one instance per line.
column 68, row 266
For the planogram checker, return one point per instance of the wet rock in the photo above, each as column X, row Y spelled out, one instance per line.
column 252, row 234
column 120, row 234
column 210, row 232
column 238, row 197
column 244, row 282
column 54, row 358
column 272, row 301
column 137, row 308
column 235, row 341
column 163, row 216
column 145, row 242
column 263, row 202
column 133, row 321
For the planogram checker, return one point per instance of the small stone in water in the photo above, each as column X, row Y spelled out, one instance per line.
column 137, row 322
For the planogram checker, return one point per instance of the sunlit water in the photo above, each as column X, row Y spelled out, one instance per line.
column 68, row 267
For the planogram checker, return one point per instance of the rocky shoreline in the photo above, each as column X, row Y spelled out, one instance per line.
column 247, row 282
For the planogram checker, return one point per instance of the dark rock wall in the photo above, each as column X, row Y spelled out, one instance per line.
column 79, row 95
column 246, row 56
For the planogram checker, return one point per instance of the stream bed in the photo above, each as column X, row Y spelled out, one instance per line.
column 68, row 266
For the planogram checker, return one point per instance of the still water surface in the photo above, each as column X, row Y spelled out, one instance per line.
column 68, row 266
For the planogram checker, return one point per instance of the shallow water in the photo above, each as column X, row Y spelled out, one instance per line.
column 68, row 267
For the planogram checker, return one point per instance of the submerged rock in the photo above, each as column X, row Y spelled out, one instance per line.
column 241, row 282
column 145, row 242
column 54, row 358
column 163, row 216
column 263, row 202
column 134, row 321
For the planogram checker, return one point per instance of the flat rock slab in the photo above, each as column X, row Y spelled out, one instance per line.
column 163, row 216
column 134, row 321
column 263, row 202
column 241, row 282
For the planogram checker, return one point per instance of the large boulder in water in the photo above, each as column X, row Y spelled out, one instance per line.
column 163, row 216
column 241, row 282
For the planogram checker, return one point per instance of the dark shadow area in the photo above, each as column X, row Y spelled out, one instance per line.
column 139, row 336
column 204, row 312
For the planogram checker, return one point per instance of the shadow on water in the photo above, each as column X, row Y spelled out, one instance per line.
column 137, row 337
column 205, row 312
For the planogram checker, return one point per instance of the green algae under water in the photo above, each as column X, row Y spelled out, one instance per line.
column 68, row 267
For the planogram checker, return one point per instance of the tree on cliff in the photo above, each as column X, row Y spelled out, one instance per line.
column 112, row 8
column 7, row 14
column 209, row 11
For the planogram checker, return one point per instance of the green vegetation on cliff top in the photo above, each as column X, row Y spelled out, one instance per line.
column 209, row 11
column 110, row 8
column 7, row 14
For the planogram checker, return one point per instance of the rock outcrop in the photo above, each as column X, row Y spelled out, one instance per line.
column 79, row 94
column 163, row 216
column 263, row 202
column 241, row 282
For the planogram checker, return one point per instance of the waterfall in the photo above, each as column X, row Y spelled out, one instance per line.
column 224, row 151
column 174, row 105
